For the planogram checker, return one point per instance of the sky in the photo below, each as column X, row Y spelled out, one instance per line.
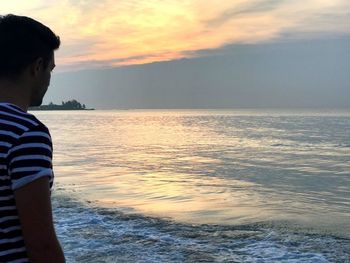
column 196, row 53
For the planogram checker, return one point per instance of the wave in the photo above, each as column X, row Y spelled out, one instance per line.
column 308, row 145
column 344, row 145
column 90, row 233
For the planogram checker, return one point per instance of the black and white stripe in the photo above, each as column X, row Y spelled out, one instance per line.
column 25, row 156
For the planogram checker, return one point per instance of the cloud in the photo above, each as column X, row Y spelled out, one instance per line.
column 249, row 8
column 134, row 32
column 109, row 63
column 303, row 73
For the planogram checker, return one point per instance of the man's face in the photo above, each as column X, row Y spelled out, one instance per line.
column 42, row 83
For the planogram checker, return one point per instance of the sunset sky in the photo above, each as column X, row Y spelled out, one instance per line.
column 123, row 32
column 197, row 53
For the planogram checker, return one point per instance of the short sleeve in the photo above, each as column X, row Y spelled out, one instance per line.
column 30, row 158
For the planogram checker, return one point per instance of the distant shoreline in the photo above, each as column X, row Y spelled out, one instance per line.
column 69, row 105
column 48, row 109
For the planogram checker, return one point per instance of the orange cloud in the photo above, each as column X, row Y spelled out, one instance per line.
column 111, row 33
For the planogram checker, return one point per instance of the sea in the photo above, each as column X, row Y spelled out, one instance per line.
column 237, row 185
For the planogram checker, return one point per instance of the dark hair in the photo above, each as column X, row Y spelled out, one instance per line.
column 22, row 41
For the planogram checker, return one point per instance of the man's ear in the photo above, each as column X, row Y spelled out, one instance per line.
column 37, row 66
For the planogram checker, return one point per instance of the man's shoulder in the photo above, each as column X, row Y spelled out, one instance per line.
column 20, row 121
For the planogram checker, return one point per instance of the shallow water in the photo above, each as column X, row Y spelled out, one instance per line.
column 90, row 233
column 202, row 186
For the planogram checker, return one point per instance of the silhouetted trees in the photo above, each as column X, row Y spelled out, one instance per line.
column 72, row 105
column 65, row 105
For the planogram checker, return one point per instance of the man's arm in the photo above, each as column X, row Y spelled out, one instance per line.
column 35, row 213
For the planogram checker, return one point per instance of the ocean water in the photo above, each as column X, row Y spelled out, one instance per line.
column 202, row 186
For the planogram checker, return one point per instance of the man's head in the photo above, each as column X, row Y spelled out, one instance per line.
column 27, row 53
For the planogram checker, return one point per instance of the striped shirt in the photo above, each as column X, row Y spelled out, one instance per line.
column 25, row 156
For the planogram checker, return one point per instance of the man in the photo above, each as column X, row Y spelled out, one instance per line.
column 26, row 60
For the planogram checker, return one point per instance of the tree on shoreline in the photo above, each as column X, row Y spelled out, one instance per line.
column 72, row 104
column 65, row 105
